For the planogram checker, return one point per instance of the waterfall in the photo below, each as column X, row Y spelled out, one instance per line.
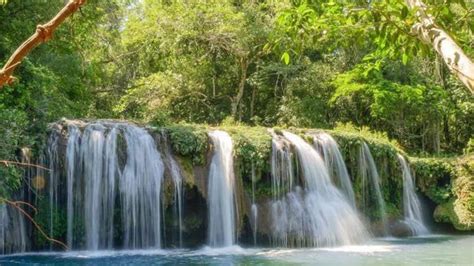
column 97, row 182
column 111, row 172
column 13, row 236
column 4, row 221
column 177, row 178
column 318, row 214
column 368, row 170
column 335, row 164
column 52, row 154
column 140, row 190
column 72, row 154
column 254, row 207
column 92, row 149
column 282, row 167
column 411, row 204
column 282, row 173
column 178, row 196
column 221, row 192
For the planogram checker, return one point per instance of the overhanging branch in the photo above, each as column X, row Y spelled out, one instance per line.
column 43, row 34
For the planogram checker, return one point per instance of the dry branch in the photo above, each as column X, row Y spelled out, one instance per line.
column 7, row 163
column 43, row 34
column 16, row 205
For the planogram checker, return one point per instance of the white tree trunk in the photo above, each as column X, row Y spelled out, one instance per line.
column 454, row 57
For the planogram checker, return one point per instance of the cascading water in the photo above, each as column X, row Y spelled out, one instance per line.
column 107, row 177
column 282, row 167
column 92, row 156
column 254, row 207
column 221, row 192
column 368, row 170
column 140, row 190
column 177, row 178
column 411, row 204
column 93, row 168
column 52, row 154
column 319, row 214
column 282, row 183
column 4, row 221
column 72, row 154
column 111, row 172
column 335, row 164
column 13, row 236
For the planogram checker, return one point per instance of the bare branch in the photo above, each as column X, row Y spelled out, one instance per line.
column 7, row 163
column 43, row 34
column 16, row 205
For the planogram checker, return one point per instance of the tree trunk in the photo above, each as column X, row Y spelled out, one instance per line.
column 454, row 57
column 252, row 102
column 240, row 93
column 436, row 138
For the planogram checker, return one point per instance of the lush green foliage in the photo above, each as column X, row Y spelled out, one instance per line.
column 292, row 63
column 463, row 187
column 433, row 177
column 449, row 183
column 12, row 124
column 189, row 141
column 53, row 81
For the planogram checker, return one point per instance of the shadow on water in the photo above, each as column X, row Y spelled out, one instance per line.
column 421, row 240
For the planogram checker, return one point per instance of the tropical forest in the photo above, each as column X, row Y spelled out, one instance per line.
column 237, row 132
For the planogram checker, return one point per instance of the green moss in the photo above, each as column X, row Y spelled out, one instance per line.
column 433, row 177
column 463, row 190
column 189, row 141
column 167, row 192
column 446, row 213
column 252, row 146
column 252, row 149
column 450, row 183
column 186, row 170
column 371, row 137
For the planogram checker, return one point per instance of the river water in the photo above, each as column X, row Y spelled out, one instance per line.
column 428, row 250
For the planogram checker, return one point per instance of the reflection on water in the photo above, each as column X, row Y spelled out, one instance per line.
column 428, row 250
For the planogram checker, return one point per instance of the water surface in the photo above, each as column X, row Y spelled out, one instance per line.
column 429, row 250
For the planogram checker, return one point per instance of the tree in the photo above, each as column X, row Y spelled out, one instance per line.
column 211, row 46
column 395, row 27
